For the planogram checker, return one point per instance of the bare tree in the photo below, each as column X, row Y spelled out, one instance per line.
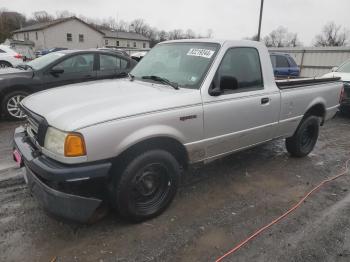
column 162, row 36
column 190, row 34
column 280, row 37
column 176, row 34
column 64, row 14
column 9, row 21
column 42, row 16
column 209, row 33
column 332, row 35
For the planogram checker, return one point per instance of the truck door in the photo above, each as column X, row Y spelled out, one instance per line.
column 246, row 112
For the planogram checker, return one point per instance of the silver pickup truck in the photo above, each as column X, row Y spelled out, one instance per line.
column 125, row 142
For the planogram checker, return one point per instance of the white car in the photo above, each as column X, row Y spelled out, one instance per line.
column 9, row 57
column 343, row 71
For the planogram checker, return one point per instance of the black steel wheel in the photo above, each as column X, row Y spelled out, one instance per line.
column 147, row 185
column 305, row 138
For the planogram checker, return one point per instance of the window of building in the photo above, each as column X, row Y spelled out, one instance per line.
column 117, row 43
column 243, row 64
column 128, row 44
column 134, row 44
column 144, row 45
column 106, row 42
column 81, row 38
column 69, row 37
column 26, row 36
column 36, row 36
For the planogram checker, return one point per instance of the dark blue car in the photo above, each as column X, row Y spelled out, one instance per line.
column 284, row 65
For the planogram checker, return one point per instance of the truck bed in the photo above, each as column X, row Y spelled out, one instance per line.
column 301, row 82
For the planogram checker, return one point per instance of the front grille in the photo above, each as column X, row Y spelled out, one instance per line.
column 36, row 127
column 32, row 127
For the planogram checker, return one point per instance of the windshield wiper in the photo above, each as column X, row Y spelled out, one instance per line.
column 162, row 80
column 131, row 77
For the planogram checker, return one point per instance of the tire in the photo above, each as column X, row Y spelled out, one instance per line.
column 147, row 185
column 4, row 64
column 9, row 105
column 305, row 138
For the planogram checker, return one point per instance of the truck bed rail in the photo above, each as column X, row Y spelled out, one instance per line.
column 302, row 82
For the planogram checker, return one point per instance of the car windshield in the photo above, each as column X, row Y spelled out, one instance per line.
column 182, row 63
column 43, row 61
column 344, row 68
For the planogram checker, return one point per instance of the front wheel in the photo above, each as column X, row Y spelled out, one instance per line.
column 147, row 185
column 305, row 138
column 10, row 105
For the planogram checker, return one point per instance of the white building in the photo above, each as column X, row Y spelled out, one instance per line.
column 125, row 40
column 74, row 33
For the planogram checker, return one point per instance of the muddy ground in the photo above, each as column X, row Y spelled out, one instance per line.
column 216, row 207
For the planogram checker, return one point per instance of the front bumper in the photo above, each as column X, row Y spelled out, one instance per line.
column 61, row 188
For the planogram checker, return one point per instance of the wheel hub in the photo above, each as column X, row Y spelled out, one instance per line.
column 13, row 106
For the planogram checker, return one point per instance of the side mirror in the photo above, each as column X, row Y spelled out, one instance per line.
column 121, row 74
column 334, row 69
column 228, row 83
column 56, row 71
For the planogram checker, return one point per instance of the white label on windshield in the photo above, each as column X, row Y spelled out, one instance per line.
column 201, row 52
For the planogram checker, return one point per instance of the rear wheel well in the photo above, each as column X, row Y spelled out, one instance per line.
column 171, row 145
column 7, row 62
column 318, row 110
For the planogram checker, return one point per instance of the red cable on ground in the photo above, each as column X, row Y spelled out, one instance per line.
column 258, row 232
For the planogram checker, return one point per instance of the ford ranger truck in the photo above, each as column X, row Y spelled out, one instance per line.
column 124, row 143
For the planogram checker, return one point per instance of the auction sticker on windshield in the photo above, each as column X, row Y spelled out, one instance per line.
column 201, row 52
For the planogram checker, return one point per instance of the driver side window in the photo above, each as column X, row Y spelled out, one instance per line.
column 83, row 63
column 240, row 66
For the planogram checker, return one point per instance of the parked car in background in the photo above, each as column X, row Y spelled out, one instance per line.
column 57, row 69
column 284, row 65
column 48, row 51
column 116, row 50
column 138, row 55
column 125, row 142
column 343, row 71
column 9, row 57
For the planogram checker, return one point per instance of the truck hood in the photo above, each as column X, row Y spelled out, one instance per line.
column 343, row 76
column 73, row 107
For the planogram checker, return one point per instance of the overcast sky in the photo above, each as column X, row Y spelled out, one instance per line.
column 231, row 19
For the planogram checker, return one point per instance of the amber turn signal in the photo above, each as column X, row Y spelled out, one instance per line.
column 74, row 145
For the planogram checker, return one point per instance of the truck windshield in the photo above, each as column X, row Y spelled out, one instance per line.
column 344, row 68
column 184, row 64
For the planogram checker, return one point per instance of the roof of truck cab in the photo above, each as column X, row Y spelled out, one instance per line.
column 216, row 41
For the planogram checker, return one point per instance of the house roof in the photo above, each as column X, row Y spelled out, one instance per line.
column 40, row 26
column 124, row 35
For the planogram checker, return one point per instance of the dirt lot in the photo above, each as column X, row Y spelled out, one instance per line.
column 217, row 206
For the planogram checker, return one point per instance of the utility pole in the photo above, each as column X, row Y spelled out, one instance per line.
column 261, row 12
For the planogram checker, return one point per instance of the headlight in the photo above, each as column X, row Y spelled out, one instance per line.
column 63, row 143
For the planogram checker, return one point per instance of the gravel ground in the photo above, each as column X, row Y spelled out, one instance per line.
column 217, row 206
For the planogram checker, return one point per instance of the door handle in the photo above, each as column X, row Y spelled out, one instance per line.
column 265, row 100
